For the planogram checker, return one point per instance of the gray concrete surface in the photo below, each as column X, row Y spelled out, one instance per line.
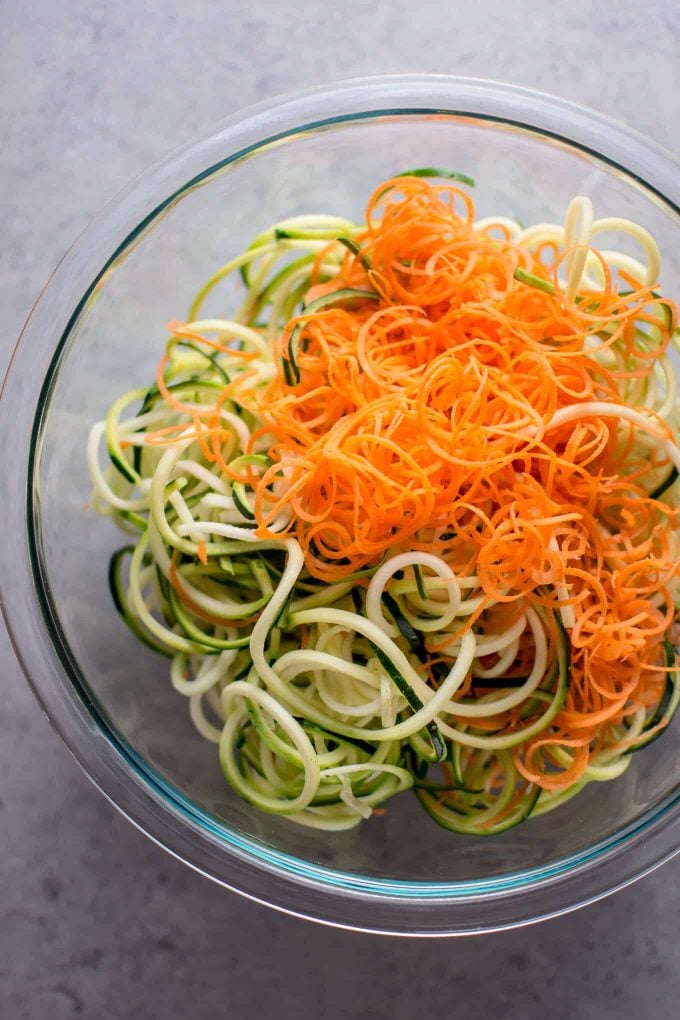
column 97, row 922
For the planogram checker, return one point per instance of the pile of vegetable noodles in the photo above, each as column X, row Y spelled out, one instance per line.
column 409, row 519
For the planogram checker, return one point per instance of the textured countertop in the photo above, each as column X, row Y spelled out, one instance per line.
column 98, row 922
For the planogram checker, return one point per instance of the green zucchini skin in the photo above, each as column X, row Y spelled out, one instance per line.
column 667, row 707
column 290, row 367
column 663, row 486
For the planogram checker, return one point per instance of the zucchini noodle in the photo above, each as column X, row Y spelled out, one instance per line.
column 408, row 520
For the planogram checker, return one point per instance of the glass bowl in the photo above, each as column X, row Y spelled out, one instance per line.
column 98, row 329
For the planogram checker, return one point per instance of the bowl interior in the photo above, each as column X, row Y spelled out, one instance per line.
column 114, row 345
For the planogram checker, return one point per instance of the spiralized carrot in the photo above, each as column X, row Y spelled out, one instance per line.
column 406, row 414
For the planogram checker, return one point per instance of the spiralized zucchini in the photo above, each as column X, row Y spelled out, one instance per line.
column 325, row 697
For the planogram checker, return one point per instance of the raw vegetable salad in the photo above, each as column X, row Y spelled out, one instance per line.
column 408, row 518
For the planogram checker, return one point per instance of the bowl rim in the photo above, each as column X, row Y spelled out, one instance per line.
column 152, row 804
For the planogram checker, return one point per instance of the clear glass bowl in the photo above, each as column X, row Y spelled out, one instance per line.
column 98, row 329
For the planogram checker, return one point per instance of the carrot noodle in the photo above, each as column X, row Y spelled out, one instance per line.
column 416, row 503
